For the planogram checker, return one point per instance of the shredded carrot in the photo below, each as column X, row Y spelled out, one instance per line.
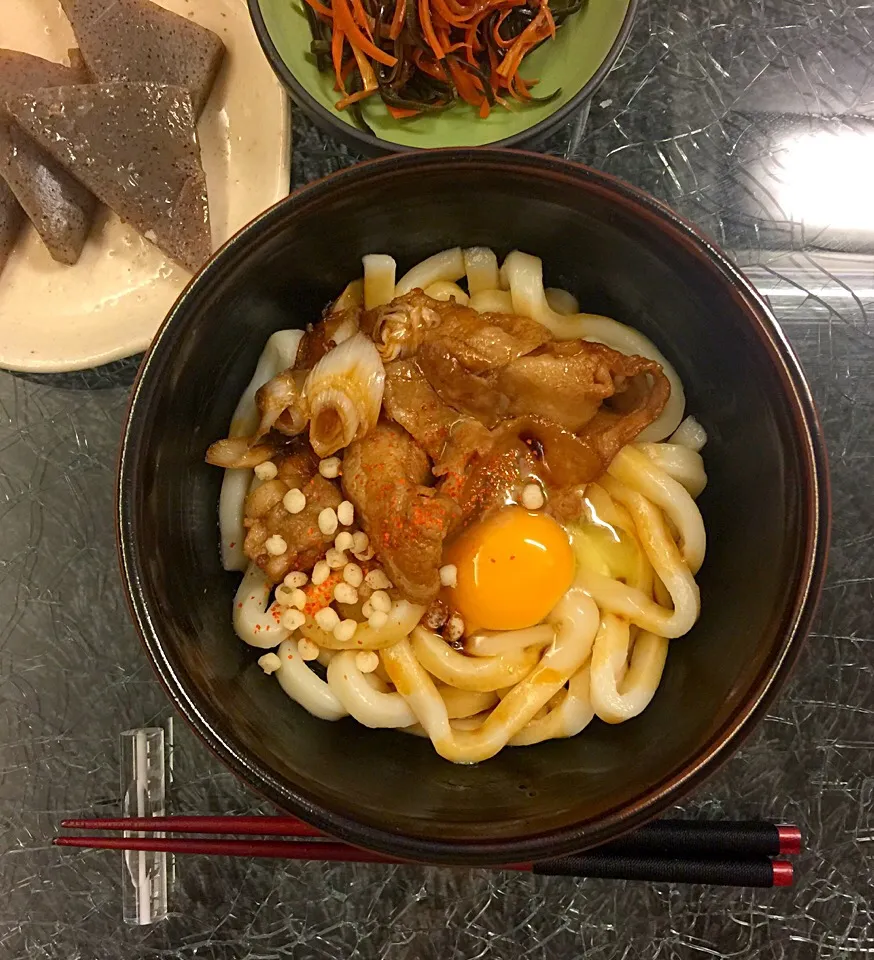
column 368, row 77
column 321, row 9
column 366, row 70
column 469, row 87
column 337, row 41
column 360, row 15
column 428, row 29
column 401, row 114
column 430, row 66
column 397, row 21
column 346, row 22
column 474, row 48
column 442, row 10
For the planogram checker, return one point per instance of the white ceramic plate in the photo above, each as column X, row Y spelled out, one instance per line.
column 108, row 306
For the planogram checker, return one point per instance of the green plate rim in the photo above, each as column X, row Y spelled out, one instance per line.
column 371, row 145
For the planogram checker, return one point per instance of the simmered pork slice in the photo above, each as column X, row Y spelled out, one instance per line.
column 450, row 439
column 267, row 517
column 139, row 41
column 59, row 206
column 461, row 356
column 384, row 475
column 482, row 341
column 470, row 392
column 568, row 382
column 135, row 146
column 11, row 217
column 633, row 408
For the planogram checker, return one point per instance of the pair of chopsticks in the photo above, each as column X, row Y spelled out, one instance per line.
column 721, row 853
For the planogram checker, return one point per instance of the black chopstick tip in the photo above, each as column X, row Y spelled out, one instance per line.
column 790, row 839
column 783, row 873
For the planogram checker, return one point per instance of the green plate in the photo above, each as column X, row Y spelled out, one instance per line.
column 583, row 51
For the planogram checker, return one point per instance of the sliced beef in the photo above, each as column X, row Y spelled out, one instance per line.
column 384, row 475
column 468, row 391
column 568, row 382
column 450, row 439
column 266, row 516
column 399, row 328
column 481, row 341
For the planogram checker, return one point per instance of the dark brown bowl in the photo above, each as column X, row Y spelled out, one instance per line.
column 765, row 507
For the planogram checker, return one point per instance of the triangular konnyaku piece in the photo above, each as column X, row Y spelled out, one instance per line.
column 134, row 145
column 59, row 207
column 11, row 218
column 138, row 41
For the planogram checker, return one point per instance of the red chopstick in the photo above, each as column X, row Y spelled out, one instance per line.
column 758, row 872
column 705, row 839
column 276, row 849
column 245, row 826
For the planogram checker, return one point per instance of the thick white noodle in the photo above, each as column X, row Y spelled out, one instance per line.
column 573, row 713
column 304, row 686
column 524, row 273
column 491, row 301
column 446, row 290
column 678, row 462
column 481, row 267
column 278, row 354
column 255, row 619
column 446, row 265
column 379, row 279
column 461, row 704
column 562, row 302
column 366, row 704
column 326, row 656
column 575, row 619
column 352, row 296
column 636, row 470
column 664, row 555
column 496, row 644
column 690, row 434
column 401, row 620
column 620, row 690
column 471, row 673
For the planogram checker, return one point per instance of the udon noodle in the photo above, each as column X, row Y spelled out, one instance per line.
column 369, row 590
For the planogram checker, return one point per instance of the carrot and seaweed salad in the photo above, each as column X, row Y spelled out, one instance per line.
column 422, row 55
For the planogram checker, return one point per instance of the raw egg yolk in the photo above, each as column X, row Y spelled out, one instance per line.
column 512, row 570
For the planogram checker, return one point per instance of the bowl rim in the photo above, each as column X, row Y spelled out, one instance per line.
column 533, row 846
column 370, row 144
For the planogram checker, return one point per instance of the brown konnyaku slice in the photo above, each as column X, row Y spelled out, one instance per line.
column 135, row 146
column 59, row 206
column 11, row 217
column 138, row 41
